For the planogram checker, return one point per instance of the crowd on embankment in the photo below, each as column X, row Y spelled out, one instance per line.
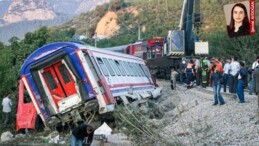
column 215, row 72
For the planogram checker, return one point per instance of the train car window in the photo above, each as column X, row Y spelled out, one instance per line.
column 50, row 80
column 136, row 69
column 120, row 67
column 145, row 70
column 26, row 97
column 140, row 69
column 125, row 68
column 102, row 65
column 106, row 62
column 64, row 73
column 115, row 67
column 132, row 69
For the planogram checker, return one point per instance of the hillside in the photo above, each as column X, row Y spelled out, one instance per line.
column 107, row 26
column 155, row 17
column 20, row 10
column 37, row 13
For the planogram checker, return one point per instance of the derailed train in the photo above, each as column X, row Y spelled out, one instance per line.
column 62, row 82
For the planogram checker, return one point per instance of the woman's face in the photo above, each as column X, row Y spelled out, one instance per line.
column 238, row 14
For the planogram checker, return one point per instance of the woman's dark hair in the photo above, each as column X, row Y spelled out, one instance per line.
column 242, row 63
column 245, row 21
column 89, row 128
column 214, row 67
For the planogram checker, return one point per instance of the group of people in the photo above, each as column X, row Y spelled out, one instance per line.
column 217, row 73
column 194, row 71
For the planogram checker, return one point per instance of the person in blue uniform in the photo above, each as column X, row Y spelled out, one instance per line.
column 189, row 71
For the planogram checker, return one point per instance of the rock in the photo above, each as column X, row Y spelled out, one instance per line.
column 185, row 107
column 20, row 135
column 53, row 137
column 6, row 136
column 53, row 134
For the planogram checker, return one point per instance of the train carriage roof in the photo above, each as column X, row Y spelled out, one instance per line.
column 43, row 52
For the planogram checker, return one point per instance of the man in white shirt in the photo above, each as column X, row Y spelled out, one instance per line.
column 234, row 69
column 174, row 75
column 6, row 103
column 226, row 75
column 252, row 82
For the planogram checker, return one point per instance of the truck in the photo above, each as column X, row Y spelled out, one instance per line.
column 181, row 42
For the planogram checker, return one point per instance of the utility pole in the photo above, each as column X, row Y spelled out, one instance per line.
column 138, row 30
column 95, row 34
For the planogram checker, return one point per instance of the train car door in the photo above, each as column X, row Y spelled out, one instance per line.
column 59, row 81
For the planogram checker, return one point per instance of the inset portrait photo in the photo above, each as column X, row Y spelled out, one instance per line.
column 240, row 18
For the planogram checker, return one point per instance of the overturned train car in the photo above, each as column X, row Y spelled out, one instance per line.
column 61, row 82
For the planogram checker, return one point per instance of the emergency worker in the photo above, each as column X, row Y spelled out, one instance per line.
column 182, row 70
column 189, row 71
column 204, row 74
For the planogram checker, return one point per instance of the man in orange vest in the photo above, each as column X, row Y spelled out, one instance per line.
column 219, row 65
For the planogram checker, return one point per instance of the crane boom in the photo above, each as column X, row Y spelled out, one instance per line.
column 181, row 41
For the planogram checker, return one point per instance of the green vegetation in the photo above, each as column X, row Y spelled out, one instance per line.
column 141, row 125
column 156, row 18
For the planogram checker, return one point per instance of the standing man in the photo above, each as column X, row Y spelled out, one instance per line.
column 189, row 71
column 174, row 75
column 234, row 69
column 252, row 82
column 205, row 66
column 215, row 78
column 80, row 133
column 226, row 70
column 6, row 103
column 256, row 79
column 242, row 82
column 198, row 71
column 182, row 69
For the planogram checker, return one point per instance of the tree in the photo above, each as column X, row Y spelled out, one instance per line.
column 14, row 41
column 41, row 36
column 116, row 5
column 1, row 45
